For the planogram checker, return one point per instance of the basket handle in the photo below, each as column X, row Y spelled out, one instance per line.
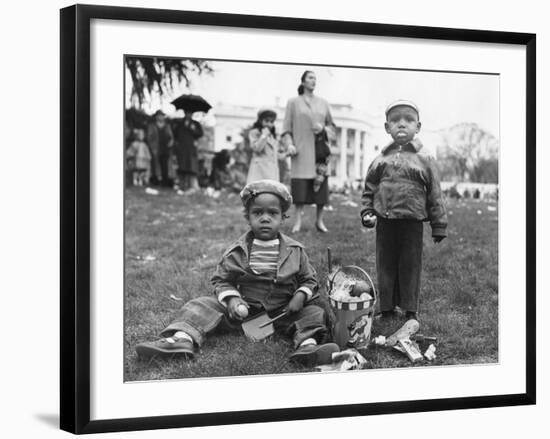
column 370, row 280
column 364, row 272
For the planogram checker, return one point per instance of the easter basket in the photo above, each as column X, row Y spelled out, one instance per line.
column 354, row 314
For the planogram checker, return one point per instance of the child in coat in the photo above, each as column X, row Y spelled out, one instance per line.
column 139, row 158
column 266, row 150
column 264, row 270
column 401, row 191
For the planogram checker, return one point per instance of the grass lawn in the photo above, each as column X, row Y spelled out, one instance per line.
column 174, row 242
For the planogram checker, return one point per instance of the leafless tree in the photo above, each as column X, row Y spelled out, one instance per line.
column 469, row 151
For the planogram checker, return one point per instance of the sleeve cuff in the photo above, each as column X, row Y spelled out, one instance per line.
column 439, row 231
column 227, row 293
column 306, row 291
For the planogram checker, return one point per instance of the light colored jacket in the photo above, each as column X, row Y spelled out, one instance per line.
column 300, row 117
column 139, row 151
column 264, row 163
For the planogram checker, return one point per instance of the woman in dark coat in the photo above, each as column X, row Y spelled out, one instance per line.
column 188, row 131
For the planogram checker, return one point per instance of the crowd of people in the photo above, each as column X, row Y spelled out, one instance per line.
column 151, row 151
column 307, row 130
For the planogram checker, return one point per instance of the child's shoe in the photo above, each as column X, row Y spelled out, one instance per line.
column 386, row 314
column 314, row 355
column 166, row 347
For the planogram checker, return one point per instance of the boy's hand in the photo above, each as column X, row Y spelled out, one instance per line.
column 438, row 239
column 369, row 220
column 297, row 302
column 234, row 305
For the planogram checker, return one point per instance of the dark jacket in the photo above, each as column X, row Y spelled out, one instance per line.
column 187, row 133
column 402, row 183
column 160, row 140
column 233, row 276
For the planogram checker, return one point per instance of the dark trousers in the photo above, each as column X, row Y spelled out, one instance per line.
column 399, row 263
column 164, row 160
column 202, row 315
column 160, row 168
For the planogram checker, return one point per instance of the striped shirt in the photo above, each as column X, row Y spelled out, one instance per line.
column 264, row 256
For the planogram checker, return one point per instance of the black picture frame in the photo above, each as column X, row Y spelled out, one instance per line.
column 76, row 209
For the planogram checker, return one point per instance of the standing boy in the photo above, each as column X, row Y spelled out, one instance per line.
column 401, row 191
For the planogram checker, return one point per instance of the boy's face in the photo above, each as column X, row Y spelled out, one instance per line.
column 265, row 216
column 402, row 124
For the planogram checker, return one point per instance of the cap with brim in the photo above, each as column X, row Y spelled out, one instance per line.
column 255, row 188
column 402, row 103
column 267, row 112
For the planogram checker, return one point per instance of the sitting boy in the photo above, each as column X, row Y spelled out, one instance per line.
column 263, row 270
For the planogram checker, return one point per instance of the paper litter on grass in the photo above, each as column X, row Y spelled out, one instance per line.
column 146, row 258
column 350, row 359
column 430, row 353
column 349, row 203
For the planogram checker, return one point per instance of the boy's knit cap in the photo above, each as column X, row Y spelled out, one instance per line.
column 255, row 188
column 400, row 103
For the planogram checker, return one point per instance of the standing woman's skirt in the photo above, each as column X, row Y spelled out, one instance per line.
column 303, row 193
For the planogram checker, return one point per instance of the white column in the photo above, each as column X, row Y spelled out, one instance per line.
column 343, row 154
column 219, row 137
column 357, row 155
column 366, row 158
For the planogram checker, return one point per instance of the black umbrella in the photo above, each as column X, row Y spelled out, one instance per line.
column 137, row 118
column 191, row 103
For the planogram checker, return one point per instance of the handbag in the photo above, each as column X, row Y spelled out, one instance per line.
column 322, row 147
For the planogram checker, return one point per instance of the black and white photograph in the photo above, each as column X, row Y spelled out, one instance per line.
column 284, row 218
column 281, row 219
column 275, row 219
